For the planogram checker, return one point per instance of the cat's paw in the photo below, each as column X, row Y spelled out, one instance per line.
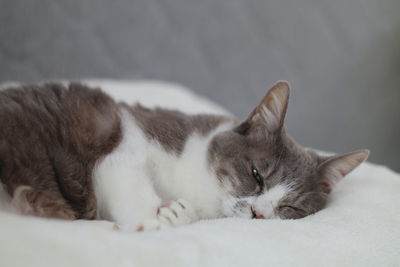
column 151, row 225
column 177, row 212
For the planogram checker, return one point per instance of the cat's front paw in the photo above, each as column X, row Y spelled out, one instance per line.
column 177, row 212
column 151, row 225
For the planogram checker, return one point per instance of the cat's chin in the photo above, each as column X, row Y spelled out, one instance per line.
column 239, row 215
column 237, row 207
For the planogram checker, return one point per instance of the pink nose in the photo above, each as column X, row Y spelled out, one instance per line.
column 259, row 217
column 256, row 215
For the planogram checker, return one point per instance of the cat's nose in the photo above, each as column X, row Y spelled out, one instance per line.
column 256, row 215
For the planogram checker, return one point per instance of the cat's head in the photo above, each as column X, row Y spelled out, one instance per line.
column 265, row 173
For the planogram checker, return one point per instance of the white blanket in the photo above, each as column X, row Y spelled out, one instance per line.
column 359, row 227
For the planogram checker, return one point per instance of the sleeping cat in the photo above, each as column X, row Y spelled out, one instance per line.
column 74, row 153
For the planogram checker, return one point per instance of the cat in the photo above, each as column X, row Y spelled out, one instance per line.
column 72, row 152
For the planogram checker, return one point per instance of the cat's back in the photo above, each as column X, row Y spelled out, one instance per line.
column 73, row 116
column 51, row 136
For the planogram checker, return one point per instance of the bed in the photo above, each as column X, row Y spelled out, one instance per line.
column 359, row 227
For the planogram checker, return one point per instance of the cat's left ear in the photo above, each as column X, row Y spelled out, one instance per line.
column 270, row 112
column 337, row 167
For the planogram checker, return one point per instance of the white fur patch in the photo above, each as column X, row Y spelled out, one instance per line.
column 263, row 204
column 238, row 206
column 187, row 176
column 266, row 203
column 123, row 191
column 131, row 182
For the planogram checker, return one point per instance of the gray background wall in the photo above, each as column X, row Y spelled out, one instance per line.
column 342, row 57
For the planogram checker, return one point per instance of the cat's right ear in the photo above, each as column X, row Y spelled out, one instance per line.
column 269, row 114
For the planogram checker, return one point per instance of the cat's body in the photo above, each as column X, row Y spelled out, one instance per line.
column 74, row 153
column 166, row 153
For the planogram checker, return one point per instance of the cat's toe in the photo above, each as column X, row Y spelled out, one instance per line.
column 169, row 215
column 187, row 209
column 151, row 225
column 177, row 212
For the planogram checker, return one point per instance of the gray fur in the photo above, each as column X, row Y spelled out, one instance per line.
column 51, row 136
column 262, row 142
column 171, row 128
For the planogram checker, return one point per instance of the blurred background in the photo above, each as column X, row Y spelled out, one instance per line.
column 342, row 57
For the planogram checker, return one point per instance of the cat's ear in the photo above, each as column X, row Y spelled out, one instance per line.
column 270, row 112
column 335, row 168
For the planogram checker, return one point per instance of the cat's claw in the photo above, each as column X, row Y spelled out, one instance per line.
column 177, row 212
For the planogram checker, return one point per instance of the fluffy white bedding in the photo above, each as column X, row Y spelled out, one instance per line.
column 360, row 226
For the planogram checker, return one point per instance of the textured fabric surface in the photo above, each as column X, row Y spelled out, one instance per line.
column 342, row 56
column 359, row 227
